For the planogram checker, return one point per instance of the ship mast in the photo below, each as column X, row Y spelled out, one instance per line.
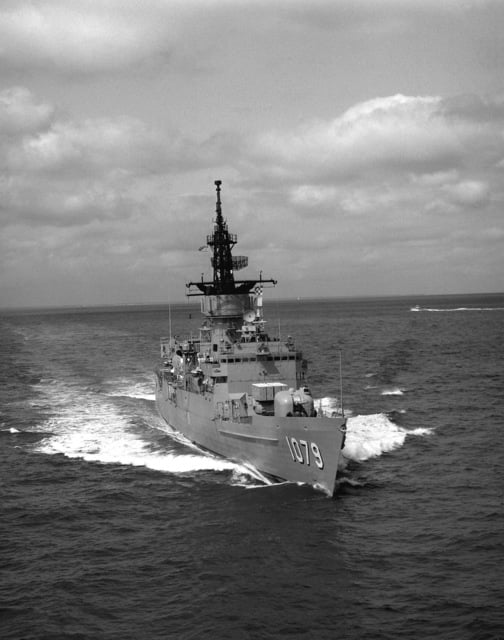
column 221, row 241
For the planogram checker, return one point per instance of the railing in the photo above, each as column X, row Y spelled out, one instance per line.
column 232, row 238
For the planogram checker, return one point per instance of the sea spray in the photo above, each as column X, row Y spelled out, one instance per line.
column 369, row 436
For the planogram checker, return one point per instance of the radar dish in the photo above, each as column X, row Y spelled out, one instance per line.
column 249, row 316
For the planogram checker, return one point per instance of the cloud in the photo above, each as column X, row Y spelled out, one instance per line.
column 67, row 171
column 20, row 114
column 90, row 36
column 398, row 180
column 313, row 195
column 468, row 192
column 84, row 35
column 405, row 133
column 394, row 185
column 91, row 145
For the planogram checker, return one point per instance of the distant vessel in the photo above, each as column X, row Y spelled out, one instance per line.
column 239, row 393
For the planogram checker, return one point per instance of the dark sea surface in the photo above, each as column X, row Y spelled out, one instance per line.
column 112, row 528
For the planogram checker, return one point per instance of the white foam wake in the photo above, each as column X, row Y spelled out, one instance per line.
column 89, row 426
column 420, row 431
column 369, row 436
column 393, row 391
column 139, row 390
column 434, row 310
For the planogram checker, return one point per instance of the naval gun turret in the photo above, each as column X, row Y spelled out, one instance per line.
column 294, row 403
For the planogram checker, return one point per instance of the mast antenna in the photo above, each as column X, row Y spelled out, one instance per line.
column 341, row 385
column 218, row 208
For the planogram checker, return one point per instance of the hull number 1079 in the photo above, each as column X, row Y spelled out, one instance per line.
column 303, row 452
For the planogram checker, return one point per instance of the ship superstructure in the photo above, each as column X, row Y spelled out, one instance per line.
column 238, row 392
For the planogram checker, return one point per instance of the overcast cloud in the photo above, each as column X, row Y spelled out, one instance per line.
column 360, row 144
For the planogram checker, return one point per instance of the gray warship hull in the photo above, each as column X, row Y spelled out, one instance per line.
column 295, row 449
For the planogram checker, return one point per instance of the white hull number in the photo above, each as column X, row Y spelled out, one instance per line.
column 300, row 451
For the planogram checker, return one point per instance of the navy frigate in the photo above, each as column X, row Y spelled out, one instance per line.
column 237, row 392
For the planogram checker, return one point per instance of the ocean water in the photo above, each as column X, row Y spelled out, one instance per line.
column 112, row 528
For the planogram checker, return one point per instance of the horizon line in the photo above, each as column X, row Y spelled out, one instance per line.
column 101, row 305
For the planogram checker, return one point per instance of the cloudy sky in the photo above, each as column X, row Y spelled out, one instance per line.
column 360, row 144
